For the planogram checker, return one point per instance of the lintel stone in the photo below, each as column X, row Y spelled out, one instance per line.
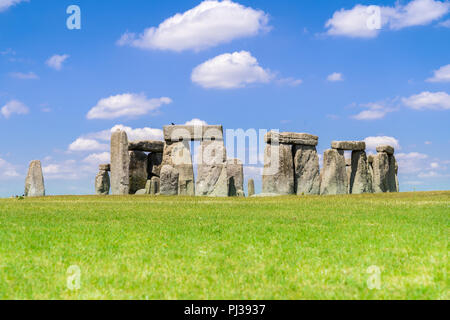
column 193, row 133
column 385, row 148
column 349, row 145
column 292, row 138
column 146, row 146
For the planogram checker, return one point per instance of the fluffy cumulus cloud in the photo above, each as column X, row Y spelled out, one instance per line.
column 14, row 107
column 68, row 170
column 6, row 4
column 367, row 21
column 83, row 144
column 373, row 142
column 56, row 61
column 97, row 158
column 126, row 105
column 196, row 122
column 441, row 75
column 335, row 77
column 24, row 76
column 229, row 71
column 207, row 25
column 7, row 170
column 428, row 101
column 374, row 111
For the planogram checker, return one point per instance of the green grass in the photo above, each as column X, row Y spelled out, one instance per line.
column 203, row 248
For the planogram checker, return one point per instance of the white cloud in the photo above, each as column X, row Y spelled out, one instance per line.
column 196, row 122
column 24, row 76
column 413, row 162
column 6, row 4
column 290, row 81
column 98, row 158
column 355, row 22
column 125, row 105
column 335, row 77
column 375, row 111
column 82, row 144
column 253, row 172
column 14, row 107
column 68, row 170
column 7, row 170
column 441, row 75
column 373, row 142
column 445, row 24
column 428, row 100
column 56, row 61
column 133, row 134
column 207, row 25
column 229, row 71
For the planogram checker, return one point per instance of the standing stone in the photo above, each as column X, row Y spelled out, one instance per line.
column 348, row 168
column 153, row 185
column 396, row 176
column 278, row 173
column 334, row 175
column 120, row 163
column 235, row 174
column 222, row 187
column 34, row 183
column 360, row 179
column 210, row 169
column 392, row 176
column 138, row 170
column 251, row 187
column 307, row 171
column 155, row 163
column 178, row 156
column 169, row 181
column 380, row 172
column 102, row 182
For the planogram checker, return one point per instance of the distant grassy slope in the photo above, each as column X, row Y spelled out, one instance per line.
column 201, row 248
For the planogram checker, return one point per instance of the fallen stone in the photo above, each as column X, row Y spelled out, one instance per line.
column 141, row 192
column 34, row 182
column 334, row 175
column 251, row 187
column 291, row 138
column 104, row 167
column 360, row 178
column 102, row 183
column 349, row 145
column 146, row 146
column 307, row 171
column 120, row 163
column 385, row 148
column 169, row 181
column 138, row 170
column 235, row 174
column 278, row 173
column 192, row 133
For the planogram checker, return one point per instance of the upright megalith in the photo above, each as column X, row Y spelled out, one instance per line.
column 307, row 171
column 138, row 171
column 384, row 170
column 120, row 163
column 235, row 176
column 169, row 181
column 278, row 172
column 251, row 187
column 334, row 174
column 348, row 168
column 153, row 186
column 34, row 182
column 102, row 181
column 360, row 178
column 178, row 156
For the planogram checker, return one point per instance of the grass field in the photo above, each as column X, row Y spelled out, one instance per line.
column 142, row 247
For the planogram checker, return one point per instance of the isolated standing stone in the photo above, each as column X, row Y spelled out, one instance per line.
column 102, row 182
column 138, row 170
column 307, row 171
column 360, row 179
column 169, row 181
column 380, row 167
column 251, row 187
column 34, row 182
column 120, row 163
column 334, row 175
column 278, row 173
column 211, row 165
column 235, row 174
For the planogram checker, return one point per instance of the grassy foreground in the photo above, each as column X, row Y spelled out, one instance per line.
column 142, row 247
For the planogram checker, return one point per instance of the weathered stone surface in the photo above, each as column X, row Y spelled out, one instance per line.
column 102, row 183
column 348, row 168
column 385, row 148
column 251, row 187
column 138, row 170
column 380, row 167
column 334, row 175
column 120, row 163
column 34, row 182
column 211, row 164
column 235, row 174
column 291, row 138
column 141, row 192
column 360, row 178
column 153, row 185
column 349, row 145
column 169, row 181
column 178, row 155
column 222, row 187
column 154, row 164
column 147, row 146
column 278, row 173
column 104, row 167
column 396, row 176
column 192, row 133
column 307, row 171
column 392, row 176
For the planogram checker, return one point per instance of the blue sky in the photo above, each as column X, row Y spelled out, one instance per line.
column 303, row 66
